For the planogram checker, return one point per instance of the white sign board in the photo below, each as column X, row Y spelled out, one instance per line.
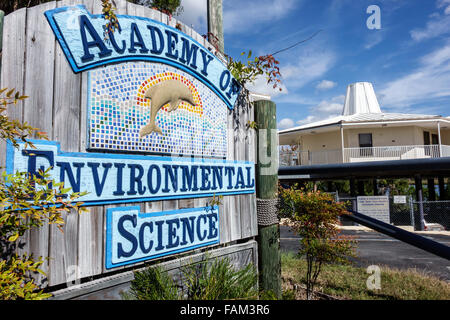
column 399, row 199
column 376, row 207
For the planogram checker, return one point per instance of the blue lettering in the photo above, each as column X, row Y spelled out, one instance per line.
column 223, row 85
column 141, row 237
column 32, row 155
column 66, row 168
column 155, row 32
column 206, row 184
column 240, row 179
column 201, row 236
column 160, row 246
column 173, row 233
column 119, row 191
column 172, row 39
column 136, row 179
column 135, row 33
column 206, row 61
column 85, row 25
column 217, row 177
column 252, row 183
column 154, row 189
column 189, row 53
column 99, row 185
column 213, row 231
column 188, row 228
column 189, row 178
column 170, row 170
column 229, row 171
column 127, row 235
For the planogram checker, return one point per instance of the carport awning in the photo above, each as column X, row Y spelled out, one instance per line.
column 369, row 170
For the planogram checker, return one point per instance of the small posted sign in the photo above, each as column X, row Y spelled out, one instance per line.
column 376, row 207
column 400, row 199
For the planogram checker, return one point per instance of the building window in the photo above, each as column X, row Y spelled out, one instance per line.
column 365, row 144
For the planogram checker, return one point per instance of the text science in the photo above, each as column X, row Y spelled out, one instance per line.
column 121, row 178
column 81, row 37
column 132, row 236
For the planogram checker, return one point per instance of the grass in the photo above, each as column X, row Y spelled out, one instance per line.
column 349, row 282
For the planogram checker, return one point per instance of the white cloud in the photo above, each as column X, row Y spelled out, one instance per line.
column 260, row 86
column 326, row 84
column 308, row 66
column 374, row 38
column 194, row 14
column 285, row 123
column 429, row 81
column 248, row 16
column 324, row 110
column 439, row 24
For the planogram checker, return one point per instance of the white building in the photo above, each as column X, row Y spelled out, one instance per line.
column 364, row 133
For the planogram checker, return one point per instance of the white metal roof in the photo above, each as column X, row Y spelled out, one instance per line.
column 364, row 118
column 361, row 107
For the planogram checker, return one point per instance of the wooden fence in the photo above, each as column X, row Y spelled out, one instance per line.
column 34, row 64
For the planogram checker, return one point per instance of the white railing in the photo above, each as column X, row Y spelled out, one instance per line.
column 391, row 153
column 295, row 158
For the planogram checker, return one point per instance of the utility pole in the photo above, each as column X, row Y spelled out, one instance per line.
column 215, row 23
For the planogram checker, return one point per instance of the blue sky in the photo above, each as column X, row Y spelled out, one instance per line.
column 407, row 60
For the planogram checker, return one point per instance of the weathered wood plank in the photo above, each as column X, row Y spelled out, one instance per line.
column 90, row 244
column 12, row 71
column 244, row 199
column 57, row 251
column 39, row 65
column 235, row 221
column 38, row 84
column 66, row 100
column 13, row 57
column 251, row 147
column 228, row 201
column 63, row 263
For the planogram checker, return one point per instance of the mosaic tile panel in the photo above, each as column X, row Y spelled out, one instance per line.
column 118, row 110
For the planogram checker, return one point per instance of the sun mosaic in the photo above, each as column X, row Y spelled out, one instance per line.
column 118, row 109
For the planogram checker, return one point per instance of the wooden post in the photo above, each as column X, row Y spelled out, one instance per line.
column 215, row 22
column 269, row 259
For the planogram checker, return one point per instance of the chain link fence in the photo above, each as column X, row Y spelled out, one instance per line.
column 436, row 214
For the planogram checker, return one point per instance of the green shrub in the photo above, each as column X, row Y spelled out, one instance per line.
column 206, row 280
column 314, row 216
column 152, row 284
column 220, row 281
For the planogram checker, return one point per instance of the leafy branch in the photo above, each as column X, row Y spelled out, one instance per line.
column 13, row 129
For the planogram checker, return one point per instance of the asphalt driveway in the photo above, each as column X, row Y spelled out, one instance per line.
column 378, row 249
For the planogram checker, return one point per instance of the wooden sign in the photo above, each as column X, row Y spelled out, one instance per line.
column 144, row 117
column 158, row 91
column 133, row 236
column 81, row 36
column 122, row 178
